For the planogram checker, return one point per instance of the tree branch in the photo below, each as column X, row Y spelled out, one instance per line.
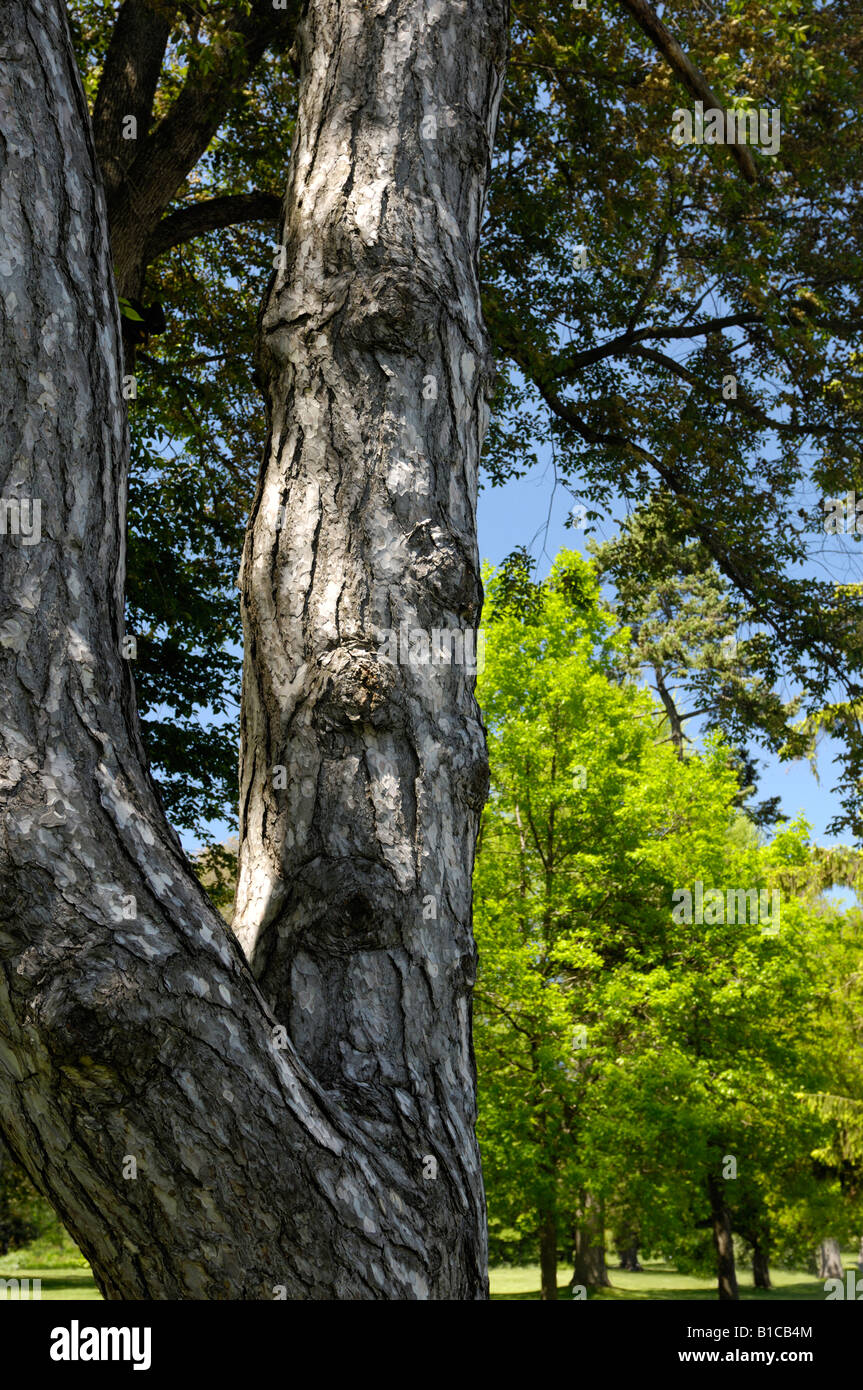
column 694, row 81
column 127, row 86
column 179, row 140
column 208, row 216
column 616, row 346
column 754, row 412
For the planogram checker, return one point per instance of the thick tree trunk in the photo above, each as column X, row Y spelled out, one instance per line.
column 363, row 775
column 723, row 1242
column 830, row 1259
column 144, row 1083
column 589, row 1267
column 760, row 1268
column 548, row 1256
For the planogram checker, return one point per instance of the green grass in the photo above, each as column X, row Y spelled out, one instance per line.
column 661, row 1280
column 65, row 1274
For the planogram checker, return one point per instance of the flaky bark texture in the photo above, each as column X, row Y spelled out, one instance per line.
column 143, row 1083
column 362, row 779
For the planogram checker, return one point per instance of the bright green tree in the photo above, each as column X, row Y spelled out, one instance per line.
column 636, row 1069
column 568, row 886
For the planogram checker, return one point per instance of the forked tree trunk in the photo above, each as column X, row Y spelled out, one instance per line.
column 723, row 1242
column 144, row 1083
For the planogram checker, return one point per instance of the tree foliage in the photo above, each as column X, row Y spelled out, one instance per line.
column 622, row 1052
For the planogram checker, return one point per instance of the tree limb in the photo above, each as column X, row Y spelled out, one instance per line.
column 616, row 346
column 127, row 86
column 208, row 216
column 694, row 81
column 179, row 140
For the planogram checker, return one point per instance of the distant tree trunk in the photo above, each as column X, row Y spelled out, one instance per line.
column 196, row 1142
column 589, row 1266
column 722, row 1241
column 675, row 723
column 860, row 1255
column 760, row 1270
column 830, row 1259
column 548, row 1255
column 628, row 1256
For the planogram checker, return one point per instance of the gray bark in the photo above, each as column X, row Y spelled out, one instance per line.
column 130, row 1024
column 830, row 1259
column 588, row 1246
column 354, row 889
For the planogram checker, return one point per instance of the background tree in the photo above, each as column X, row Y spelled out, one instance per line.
column 636, row 1070
column 675, row 327
column 566, row 890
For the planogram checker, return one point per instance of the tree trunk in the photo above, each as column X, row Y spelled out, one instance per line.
column 675, row 723
column 548, row 1255
column 722, row 1241
column 760, row 1269
column 860, row 1255
column 144, row 1081
column 830, row 1259
column 628, row 1256
column 143, row 175
column 589, row 1266
column 362, row 779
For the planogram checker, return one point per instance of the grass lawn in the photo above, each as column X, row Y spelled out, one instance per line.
column 64, row 1272
column 66, row 1275
column 660, row 1280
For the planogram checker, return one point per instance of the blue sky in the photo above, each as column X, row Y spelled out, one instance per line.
column 532, row 511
